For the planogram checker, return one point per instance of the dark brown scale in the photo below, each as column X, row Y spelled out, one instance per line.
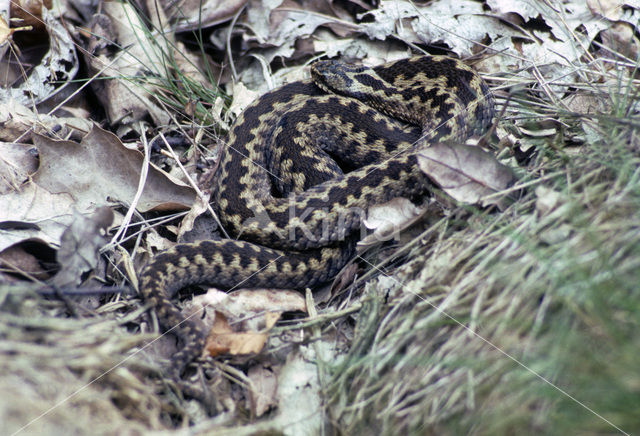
column 285, row 157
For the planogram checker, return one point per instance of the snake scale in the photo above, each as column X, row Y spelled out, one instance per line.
column 302, row 164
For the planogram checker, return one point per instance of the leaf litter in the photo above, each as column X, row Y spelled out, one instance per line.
column 375, row 358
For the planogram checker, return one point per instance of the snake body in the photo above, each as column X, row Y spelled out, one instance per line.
column 302, row 164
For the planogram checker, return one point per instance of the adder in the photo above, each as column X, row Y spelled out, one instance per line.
column 302, row 164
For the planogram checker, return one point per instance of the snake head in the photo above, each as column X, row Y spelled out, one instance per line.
column 336, row 76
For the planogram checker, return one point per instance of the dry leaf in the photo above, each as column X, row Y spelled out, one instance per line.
column 29, row 12
column 464, row 26
column 621, row 38
column 79, row 246
column 586, row 103
column 610, row 9
column 344, row 278
column 371, row 52
column 389, row 219
column 125, row 101
column 242, row 97
column 100, row 171
column 31, row 212
column 435, row 22
column 16, row 260
column 6, row 34
column 17, row 162
column 300, row 398
column 199, row 207
column 243, row 318
column 197, row 14
column 263, row 389
column 245, row 302
column 76, row 178
column 468, row 174
column 19, row 121
column 277, row 26
column 224, row 340
column 51, row 73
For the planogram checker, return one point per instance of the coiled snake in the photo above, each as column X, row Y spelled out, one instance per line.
column 301, row 165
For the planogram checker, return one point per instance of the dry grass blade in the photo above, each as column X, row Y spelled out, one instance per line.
column 61, row 370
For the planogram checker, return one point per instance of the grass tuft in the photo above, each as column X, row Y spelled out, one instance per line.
column 523, row 321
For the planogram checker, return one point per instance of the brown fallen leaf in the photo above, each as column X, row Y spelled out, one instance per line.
column 100, row 170
column 224, row 340
column 466, row 173
column 242, row 319
column 79, row 247
column 140, row 58
column 623, row 37
column 74, row 178
column 29, row 12
column 17, row 260
column 263, row 389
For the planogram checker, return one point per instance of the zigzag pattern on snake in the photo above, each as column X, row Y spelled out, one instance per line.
column 302, row 164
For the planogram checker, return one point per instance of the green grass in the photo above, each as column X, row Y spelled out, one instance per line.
column 542, row 306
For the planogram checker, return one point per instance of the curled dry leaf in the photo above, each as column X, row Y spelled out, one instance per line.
column 126, row 101
column 199, row 207
column 344, row 278
column 79, row 246
column 242, row 97
column 244, row 303
column 277, row 27
column 100, row 170
column 468, row 174
column 197, row 14
column 388, row 220
column 223, row 339
column 51, row 74
column 243, row 319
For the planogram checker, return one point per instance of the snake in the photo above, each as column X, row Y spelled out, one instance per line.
column 300, row 168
